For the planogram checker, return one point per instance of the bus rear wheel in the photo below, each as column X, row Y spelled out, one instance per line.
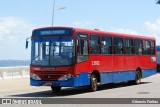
column 137, row 79
column 56, row 89
column 93, row 83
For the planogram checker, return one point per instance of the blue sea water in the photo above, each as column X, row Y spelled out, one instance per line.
column 12, row 63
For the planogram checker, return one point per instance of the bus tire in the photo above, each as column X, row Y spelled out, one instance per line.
column 56, row 89
column 137, row 79
column 93, row 83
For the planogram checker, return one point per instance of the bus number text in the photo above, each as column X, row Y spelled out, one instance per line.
column 95, row 62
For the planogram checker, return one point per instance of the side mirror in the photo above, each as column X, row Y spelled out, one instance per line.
column 26, row 44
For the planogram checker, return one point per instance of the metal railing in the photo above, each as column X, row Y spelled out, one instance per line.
column 14, row 72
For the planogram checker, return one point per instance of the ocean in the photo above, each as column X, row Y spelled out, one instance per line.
column 12, row 63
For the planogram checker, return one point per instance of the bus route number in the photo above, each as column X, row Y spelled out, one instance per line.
column 95, row 62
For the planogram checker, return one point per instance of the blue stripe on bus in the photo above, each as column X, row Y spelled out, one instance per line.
column 116, row 77
column 84, row 78
column 147, row 73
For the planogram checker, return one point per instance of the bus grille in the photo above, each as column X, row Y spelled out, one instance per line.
column 50, row 75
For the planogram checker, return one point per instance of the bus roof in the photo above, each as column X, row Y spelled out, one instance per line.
column 96, row 31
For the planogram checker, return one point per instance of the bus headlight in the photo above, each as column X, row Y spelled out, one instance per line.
column 65, row 77
column 35, row 77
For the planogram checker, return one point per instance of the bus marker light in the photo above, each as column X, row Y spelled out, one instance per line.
column 35, row 77
column 65, row 77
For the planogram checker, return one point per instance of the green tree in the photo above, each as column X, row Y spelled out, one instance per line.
column 158, row 1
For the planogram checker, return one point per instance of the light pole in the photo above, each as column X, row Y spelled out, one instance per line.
column 54, row 2
column 61, row 8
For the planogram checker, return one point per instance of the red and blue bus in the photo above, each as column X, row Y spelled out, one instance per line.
column 71, row 57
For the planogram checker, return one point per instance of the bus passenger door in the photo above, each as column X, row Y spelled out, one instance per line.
column 82, row 54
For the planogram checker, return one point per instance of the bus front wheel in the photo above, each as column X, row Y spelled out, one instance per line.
column 93, row 83
column 56, row 89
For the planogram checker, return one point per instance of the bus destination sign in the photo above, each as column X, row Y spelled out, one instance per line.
column 53, row 32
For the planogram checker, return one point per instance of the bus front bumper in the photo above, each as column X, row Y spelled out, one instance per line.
column 80, row 80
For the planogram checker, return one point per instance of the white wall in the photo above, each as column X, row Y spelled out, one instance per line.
column 14, row 72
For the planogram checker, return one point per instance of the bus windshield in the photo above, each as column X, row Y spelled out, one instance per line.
column 53, row 52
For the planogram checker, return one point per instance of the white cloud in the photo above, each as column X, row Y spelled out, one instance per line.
column 126, row 31
column 83, row 23
column 13, row 32
column 153, row 28
column 150, row 30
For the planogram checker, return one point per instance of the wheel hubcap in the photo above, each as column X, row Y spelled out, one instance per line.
column 138, row 78
column 94, row 83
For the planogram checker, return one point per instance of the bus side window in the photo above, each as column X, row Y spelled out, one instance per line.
column 94, row 44
column 118, row 46
column 128, row 46
column 106, row 45
column 82, row 47
column 146, row 47
column 138, row 47
column 152, row 47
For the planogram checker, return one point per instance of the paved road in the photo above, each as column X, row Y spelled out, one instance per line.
column 149, row 88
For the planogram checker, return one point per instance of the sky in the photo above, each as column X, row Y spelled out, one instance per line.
column 19, row 17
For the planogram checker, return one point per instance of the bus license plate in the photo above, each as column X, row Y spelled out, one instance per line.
column 48, row 83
